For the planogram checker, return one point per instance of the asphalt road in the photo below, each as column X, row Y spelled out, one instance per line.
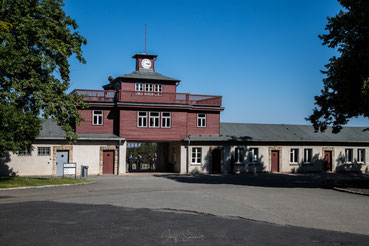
column 50, row 223
column 298, row 209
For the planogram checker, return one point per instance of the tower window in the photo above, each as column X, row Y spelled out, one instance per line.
column 154, row 119
column 97, row 117
column 139, row 87
column 165, row 120
column 142, row 119
column 149, row 88
column 158, row 89
column 201, row 120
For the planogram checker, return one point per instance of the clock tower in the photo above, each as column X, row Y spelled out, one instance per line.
column 145, row 62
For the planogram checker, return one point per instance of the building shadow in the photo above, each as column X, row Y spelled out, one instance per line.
column 269, row 180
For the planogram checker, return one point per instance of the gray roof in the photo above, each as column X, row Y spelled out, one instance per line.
column 147, row 74
column 51, row 130
column 283, row 133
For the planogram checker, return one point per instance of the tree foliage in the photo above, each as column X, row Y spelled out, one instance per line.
column 36, row 40
column 346, row 86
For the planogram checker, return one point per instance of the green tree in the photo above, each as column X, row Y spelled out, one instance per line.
column 346, row 86
column 36, row 40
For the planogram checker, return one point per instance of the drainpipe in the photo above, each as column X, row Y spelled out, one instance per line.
column 188, row 154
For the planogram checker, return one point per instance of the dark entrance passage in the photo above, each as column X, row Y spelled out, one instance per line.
column 153, row 157
column 108, row 162
column 275, row 161
column 216, row 161
column 327, row 161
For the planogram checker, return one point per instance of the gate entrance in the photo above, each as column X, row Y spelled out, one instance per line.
column 152, row 157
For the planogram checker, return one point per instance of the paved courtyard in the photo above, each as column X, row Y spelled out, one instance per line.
column 292, row 203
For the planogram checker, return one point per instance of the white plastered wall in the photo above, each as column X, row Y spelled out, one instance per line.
column 29, row 165
column 35, row 165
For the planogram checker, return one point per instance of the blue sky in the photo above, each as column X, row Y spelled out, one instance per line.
column 263, row 57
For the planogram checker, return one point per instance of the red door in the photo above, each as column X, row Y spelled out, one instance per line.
column 108, row 162
column 275, row 161
column 327, row 161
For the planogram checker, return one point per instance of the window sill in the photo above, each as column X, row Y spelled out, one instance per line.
column 294, row 164
column 352, row 163
column 196, row 164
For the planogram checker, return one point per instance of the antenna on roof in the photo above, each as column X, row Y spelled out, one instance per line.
column 145, row 38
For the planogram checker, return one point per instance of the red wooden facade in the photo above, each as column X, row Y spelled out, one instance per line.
column 146, row 91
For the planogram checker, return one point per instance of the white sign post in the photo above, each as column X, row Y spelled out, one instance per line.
column 70, row 170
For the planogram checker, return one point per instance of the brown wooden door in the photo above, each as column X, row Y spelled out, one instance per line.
column 216, row 161
column 108, row 162
column 275, row 161
column 327, row 161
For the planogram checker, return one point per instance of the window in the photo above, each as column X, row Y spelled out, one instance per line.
column 361, row 155
column 148, row 88
column 253, row 155
column 154, row 119
column 196, row 155
column 142, row 119
column 165, row 120
column 97, row 117
column 294, row 155
column 349, row 155
column 201, row 120
column 239, row 154
column 139, row 87
column 308, row 155
column 158, row 89
column 43, row 151
column 24, row 152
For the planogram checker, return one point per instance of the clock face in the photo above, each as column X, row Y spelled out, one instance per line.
column 146, row 63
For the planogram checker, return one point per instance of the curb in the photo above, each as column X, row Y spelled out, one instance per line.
column 44, row 186
column 350, row 191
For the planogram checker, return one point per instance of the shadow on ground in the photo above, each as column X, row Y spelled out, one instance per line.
column 322, row 181
column 51, row 223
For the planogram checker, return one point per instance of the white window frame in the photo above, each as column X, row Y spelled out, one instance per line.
column 43, row 151
column 149, row 88
column 155, row 118
column 139, row 87
column 308, row 155
column 239, row 154
column 141, row 119
column 294, row 156
column 201, row 120
column 349, row 155
column 99, row 117
column 158, row 89
column 166, row 121
column 252, row 157
column 196, row 155
column 361, row 155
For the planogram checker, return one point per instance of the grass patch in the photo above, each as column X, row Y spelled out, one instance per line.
column 12, row 182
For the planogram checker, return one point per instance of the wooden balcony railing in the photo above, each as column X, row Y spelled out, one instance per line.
column 171, row 98
column 149, row 97
column 97, row 95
